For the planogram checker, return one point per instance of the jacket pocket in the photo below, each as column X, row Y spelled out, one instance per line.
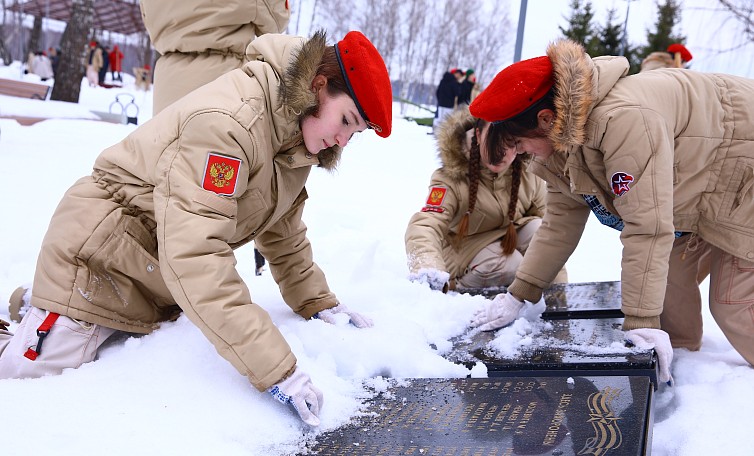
column 125, row 274
column 737, row 206
column 250, row 205
column 218, row 204
column 733, row 284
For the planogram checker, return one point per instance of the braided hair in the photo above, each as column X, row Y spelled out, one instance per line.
column 510, row 239
column 474, row 174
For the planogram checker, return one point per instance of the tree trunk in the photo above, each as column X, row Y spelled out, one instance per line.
column 147, row 50
column 72, row 52
column 36, row 33
column 4, row 51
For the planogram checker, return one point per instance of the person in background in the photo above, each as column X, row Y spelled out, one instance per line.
column 469, row 89
column 29, row 63
column 102, row 73
column 150, row 233
column 95, row 60
column 662, row 156
column 199, row 40
column 447, row 95
column 676, row 56
column 482, row 211
column 116, row 64
column 54, row 54
column 41, row 66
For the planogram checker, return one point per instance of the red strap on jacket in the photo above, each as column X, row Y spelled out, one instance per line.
column 42, row 332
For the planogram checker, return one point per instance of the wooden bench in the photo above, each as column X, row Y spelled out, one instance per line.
column 23, row 89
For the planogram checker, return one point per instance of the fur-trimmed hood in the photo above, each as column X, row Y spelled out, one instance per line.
column 453, row 143
column 580, row 83
column 296, row 67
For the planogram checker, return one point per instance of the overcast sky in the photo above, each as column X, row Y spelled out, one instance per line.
column 708, row 31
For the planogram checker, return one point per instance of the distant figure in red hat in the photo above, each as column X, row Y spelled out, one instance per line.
column 95, row 61
column 676, row 56
column 150, row 233
column 116, row 64
column 664, row 157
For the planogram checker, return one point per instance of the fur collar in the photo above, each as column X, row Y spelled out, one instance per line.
column 453, row 143
column 295, row 88
column 575, row 94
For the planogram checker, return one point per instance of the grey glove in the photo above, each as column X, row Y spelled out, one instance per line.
column 356, row 319
column 658, row 339
column 299, row 391
column 436, row 279
column 502, row 311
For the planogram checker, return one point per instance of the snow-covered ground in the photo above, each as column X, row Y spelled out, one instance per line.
column 170, row 393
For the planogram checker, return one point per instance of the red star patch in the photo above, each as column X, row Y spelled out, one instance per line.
column 620, row 181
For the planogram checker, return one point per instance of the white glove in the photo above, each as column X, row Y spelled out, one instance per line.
column 502, row 311
column 436, row 279
column 357, row 319
column 299, row 391
column 658, row 339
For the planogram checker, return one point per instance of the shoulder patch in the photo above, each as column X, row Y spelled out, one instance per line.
column 620, row 181
column 435, row 199
column 221, row 174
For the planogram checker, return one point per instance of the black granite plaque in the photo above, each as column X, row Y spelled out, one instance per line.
column 557, row 347
column 582, row 300
column 500, row 417
column 570, row 300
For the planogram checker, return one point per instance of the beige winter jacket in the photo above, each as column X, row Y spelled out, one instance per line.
column 666, row 150
column 430, row 232
column 141, row 239
column 200, row 40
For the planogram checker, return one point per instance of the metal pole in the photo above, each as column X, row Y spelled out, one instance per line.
column 520, row 32
column 21, row 59
column 44, row 32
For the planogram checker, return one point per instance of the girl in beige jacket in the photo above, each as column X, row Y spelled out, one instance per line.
column 150, row 233
column 666, row 157
column 481, row 212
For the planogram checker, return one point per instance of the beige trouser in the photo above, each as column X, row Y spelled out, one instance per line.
column 731, row 295
column 491, row 268
column 69, row 344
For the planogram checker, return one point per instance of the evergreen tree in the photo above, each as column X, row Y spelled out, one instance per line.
column 610, row 35
column 581, row 28
column 668, row 16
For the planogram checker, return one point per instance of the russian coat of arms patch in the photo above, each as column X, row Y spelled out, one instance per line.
column 220, row 174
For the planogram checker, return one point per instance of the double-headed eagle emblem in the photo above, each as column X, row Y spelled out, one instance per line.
column 221, row 174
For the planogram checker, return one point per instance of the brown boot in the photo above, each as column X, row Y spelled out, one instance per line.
column 16, row 304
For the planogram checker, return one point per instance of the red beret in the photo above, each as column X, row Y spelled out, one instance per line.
column 513, row 90
column 677, row 47
column 367, row 80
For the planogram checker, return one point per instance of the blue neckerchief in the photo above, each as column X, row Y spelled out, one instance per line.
column 606, row 217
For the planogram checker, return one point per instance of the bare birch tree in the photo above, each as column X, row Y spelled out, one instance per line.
column 422, row 39
column 5, row 54
column 743, row 12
